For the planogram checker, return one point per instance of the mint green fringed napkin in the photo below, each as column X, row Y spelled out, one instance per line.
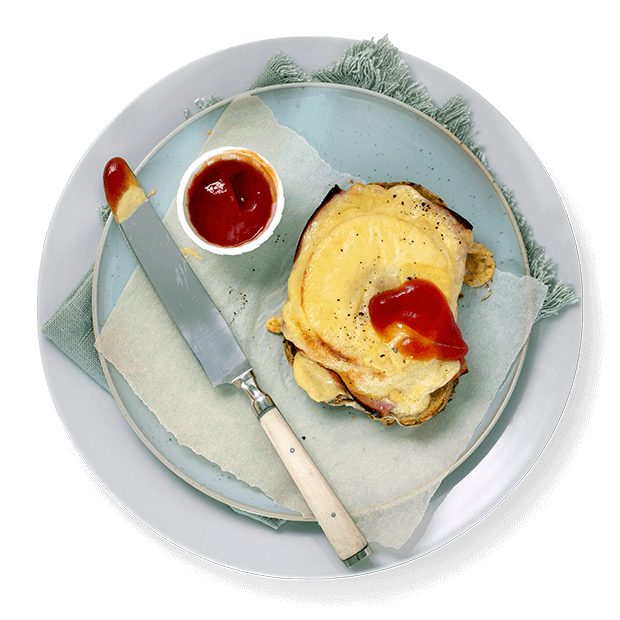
column 371, row 65
column 71, row 329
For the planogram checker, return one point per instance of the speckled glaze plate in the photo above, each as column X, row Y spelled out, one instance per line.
column 355, row 131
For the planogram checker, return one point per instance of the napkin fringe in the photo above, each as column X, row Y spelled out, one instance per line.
column 542, row 267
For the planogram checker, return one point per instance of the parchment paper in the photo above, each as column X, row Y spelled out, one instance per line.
column 384, row 476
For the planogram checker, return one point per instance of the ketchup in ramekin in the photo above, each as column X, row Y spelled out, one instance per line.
column 230, row 200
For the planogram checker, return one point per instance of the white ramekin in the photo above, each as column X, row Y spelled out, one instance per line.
column 254, row 159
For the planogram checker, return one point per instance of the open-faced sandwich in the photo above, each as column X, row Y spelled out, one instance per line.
column 370, row 318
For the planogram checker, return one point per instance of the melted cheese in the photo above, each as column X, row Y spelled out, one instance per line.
column 132, row 198
column 317, row 381
column 362, row 242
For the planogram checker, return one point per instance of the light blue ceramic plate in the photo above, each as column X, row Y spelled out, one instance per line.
column 355, row 131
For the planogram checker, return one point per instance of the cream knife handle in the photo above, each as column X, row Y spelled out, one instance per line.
column 341, row 531
column 331, row 515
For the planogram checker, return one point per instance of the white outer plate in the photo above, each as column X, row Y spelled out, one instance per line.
column 203, row 526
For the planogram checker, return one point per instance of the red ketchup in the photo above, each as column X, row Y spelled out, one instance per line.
column 116, row 181
column 418, row 313
column 229, row 202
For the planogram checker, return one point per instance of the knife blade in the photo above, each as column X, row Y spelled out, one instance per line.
column 214, row 345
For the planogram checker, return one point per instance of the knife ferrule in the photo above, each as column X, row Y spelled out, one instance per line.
column 261, row 402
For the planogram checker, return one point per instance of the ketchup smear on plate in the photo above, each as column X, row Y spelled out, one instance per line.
column 229, row 202
column 418, row 317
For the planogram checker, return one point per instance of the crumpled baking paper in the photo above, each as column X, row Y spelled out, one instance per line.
column 384, row 476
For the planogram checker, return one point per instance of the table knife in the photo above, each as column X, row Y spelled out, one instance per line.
column 214, row 345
